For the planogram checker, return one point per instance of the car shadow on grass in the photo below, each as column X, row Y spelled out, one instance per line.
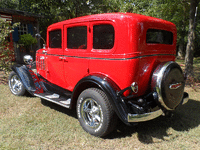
column 59, row 108
column 185, row 117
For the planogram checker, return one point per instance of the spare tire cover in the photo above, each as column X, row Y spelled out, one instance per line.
column 168, row 81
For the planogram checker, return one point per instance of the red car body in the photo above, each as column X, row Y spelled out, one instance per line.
column 107, row 64
column 131, row 59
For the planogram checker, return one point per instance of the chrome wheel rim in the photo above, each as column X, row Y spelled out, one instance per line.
column 91, row 113
column 15, row 84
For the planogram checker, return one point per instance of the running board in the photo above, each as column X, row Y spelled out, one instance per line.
column 55, row 98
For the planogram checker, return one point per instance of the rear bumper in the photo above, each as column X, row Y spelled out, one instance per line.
column 144, row 117
column 185, row 98
column 154, row 114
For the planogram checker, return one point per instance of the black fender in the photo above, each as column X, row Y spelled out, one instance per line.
column 25, row 76
column 109, row 87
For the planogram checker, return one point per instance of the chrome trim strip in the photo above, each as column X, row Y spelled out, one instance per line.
column 145, row 116
column 110, row 58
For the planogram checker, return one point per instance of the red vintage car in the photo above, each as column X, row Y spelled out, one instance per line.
column 107, row 66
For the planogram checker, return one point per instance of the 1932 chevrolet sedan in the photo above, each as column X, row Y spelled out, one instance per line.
column 107, row 66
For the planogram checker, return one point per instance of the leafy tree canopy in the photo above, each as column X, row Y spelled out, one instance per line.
column 176, row 11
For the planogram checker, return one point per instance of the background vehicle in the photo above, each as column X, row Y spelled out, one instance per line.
column 107, row 66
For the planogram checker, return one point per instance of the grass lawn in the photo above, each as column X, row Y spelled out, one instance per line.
column 29, row 123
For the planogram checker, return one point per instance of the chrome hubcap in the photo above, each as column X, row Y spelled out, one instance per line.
column 15, row 84
column 91, row 113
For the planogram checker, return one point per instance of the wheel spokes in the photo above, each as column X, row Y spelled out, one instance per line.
column 91, row 113
column 85, row 107
column 16, row 84
column 97, row 118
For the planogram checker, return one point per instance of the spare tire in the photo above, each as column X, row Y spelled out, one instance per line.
column 168, row 81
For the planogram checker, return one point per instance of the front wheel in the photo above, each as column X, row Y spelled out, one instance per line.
column 15, row 84
column 95, row 113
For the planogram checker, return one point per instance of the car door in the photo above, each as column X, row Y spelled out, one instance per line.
column 54, row 59
column 76, row 53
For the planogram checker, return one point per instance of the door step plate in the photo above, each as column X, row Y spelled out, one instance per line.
column 55, row 98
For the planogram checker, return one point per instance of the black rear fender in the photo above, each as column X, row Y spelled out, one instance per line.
column 106, row 85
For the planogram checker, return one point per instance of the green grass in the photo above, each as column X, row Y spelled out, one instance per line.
column 26, row 123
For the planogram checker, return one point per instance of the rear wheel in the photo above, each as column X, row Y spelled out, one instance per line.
column 15, row 84
column 95, row 112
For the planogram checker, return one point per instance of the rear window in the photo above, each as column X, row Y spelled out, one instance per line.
column 155, row 36
column 55, row 39
column 103, row 36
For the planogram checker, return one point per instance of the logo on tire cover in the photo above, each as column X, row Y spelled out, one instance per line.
column 175, row 86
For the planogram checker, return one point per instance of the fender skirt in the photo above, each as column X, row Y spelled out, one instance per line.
column 28, row 78
column 109, row 87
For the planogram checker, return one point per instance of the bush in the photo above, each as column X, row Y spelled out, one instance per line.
column 27, row 40
column 5, row 53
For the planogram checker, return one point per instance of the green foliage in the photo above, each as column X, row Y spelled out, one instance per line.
column 176, row 11
column 6, row 54
column 27, row 40
column 12, row 4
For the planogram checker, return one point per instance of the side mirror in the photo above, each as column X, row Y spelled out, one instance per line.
column 38, row 36
column 28, row 59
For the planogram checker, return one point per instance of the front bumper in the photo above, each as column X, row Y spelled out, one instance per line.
column 154, row 114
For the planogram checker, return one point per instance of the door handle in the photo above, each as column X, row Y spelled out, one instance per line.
column 60, row 58
column 63, row 58
column 44, row 51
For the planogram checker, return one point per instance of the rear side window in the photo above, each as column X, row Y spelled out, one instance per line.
column 77, row 37
column 155, row 36
column 103, row 36
column 55, row 39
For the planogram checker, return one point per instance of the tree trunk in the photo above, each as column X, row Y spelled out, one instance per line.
column 181, row 49
column 191, row 39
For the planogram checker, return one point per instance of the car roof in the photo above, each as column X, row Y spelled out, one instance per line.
column 112, row 17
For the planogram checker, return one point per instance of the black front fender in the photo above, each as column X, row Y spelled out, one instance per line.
column 25, row 76
column 106, row 85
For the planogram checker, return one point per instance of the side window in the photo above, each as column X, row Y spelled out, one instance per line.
column 103, row 36
column 77, row 37
column 55, row 39
column 155, row 36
